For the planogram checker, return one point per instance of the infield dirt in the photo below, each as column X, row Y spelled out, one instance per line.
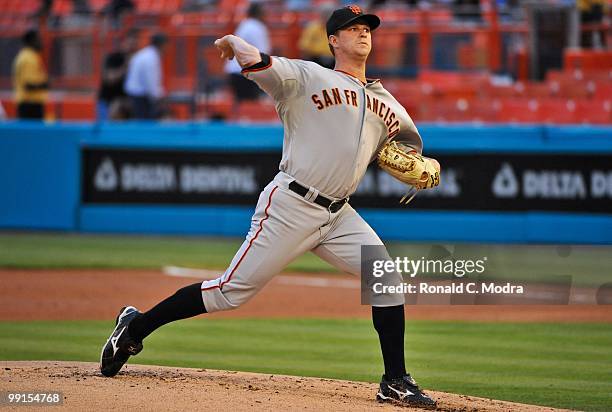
column 98, row 295
column 180, row 389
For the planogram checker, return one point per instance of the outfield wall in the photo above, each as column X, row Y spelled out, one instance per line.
column 500, row 183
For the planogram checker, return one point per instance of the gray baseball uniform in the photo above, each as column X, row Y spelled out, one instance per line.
column 334, row 125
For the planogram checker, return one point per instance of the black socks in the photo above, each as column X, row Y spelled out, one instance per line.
column 389, row 323
column 185, row 303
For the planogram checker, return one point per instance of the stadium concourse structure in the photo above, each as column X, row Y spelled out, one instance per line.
column 440, row 67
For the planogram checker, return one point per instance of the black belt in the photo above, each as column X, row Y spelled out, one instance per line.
column 332, row 205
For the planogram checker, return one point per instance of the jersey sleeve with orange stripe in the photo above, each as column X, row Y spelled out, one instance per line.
column 281, row 78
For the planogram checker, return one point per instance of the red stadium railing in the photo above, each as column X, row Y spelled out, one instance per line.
column 407, row 44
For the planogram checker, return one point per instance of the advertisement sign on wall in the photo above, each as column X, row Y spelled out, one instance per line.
column 495, row 182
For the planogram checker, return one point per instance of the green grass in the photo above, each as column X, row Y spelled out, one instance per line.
column 584, row 265
column 24, row 250
column 561, row 365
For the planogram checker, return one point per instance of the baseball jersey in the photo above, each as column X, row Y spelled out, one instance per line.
column 334, row 125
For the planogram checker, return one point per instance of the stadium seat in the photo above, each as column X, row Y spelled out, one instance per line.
column 256, row 111
column 518, row 111
column 557, row 111
column 484, row 110
column 451, row 110
column 531, row 89
column 587, row 59
column 594, row 111
column 603, row 90
column 180, row 112
column 78, row 108
column 10, row 108
column 62, row 7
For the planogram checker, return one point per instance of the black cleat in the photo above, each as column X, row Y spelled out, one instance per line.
column 403, row 391
column 120, row 345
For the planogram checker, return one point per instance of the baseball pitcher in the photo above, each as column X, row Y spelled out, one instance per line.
column 336, row 122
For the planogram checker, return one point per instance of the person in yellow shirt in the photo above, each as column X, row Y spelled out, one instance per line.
column 30, row 78
column 313, row 42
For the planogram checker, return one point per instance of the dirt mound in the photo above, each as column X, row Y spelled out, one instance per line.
column 181, row 389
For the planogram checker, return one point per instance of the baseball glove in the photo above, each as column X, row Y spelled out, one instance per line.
column 409, row 167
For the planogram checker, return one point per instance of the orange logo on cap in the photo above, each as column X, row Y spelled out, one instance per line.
column 354, row 9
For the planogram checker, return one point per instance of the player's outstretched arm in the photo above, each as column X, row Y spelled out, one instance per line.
column 232, row 46
column 281, row 80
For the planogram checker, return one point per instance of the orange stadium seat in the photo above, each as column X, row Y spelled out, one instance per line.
column 158, row 6
column 180, row 112
column 388, row 46
column 398, row 16
column 603, row 90
column 98, row 5
column 62, row 7
column 451, row 110
column 518, row 111
column 587, row 59
column 23, row 7
column 594, row 111
column 255, row 112
column 569, row 85
column 484, row 110
column 557, row 111
column 206, row 19
column 232, row 5
column 78, row 108
column 531, row 89
column 495, row 91
column 10, row 108
column 217, row 108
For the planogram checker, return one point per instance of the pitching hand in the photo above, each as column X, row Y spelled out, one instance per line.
column 224, row 46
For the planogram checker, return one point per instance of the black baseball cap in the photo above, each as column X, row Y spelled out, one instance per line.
column 346, row 15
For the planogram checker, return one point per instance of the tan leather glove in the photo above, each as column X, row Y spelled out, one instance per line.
column 409, row 167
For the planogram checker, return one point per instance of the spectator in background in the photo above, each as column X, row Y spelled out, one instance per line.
column 592, row 12
column 313, row 42
column 143, row 83
column 111, row 96
column 253, row 31
column 30, row 78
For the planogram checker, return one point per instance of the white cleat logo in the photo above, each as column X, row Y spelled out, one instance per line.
column 115, row 339
column 402, row 395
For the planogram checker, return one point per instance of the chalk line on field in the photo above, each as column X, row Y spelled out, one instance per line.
column 318, row 282
column 179, row 272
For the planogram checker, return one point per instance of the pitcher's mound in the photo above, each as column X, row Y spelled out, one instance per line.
column 180, row 389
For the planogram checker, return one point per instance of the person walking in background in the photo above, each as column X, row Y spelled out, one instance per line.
column 254, row 31
column 313, row 41
column 111, row 95
column 143, row 83
column 30, row 78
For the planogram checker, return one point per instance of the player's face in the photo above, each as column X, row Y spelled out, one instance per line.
column 355, row 40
